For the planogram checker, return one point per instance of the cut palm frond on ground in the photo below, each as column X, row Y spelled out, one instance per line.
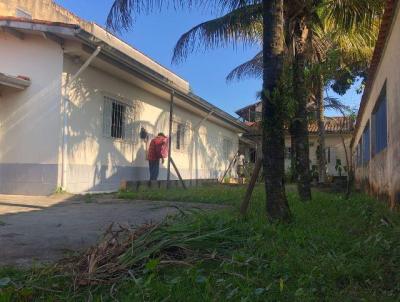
column 126, row 251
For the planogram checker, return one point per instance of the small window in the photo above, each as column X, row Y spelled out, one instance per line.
column 180, row 136
column 117, row 119
column 366, row 144
column 359, row 153
column 253, row 155
column 328, row 155
column 20, row 13
column 227, row 147
column 379, row 123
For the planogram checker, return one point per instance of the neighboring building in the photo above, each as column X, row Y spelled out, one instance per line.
column 376, row 142
column 338, row 134
column 73, row 101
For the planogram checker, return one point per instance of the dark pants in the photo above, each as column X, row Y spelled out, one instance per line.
column 154, row 166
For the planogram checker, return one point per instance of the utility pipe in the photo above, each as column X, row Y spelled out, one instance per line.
column 203, row 120
column 171, row 112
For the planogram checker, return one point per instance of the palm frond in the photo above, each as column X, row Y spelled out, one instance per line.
column 336, row 104
column 240, row 25
column 350, row 15
column 251, row 68
column 122, row 12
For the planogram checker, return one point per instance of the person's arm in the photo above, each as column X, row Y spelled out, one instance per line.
column 164, row 150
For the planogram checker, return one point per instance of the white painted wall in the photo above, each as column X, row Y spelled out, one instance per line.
column 29, row 119
column 382, row 173
column 98, row 163
column 333, row 141
column 50, row 11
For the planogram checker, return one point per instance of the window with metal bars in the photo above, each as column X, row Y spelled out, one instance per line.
column 180, row 136
column 117, row 119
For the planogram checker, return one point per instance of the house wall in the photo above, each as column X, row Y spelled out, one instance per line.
column 333, row 141
column 29, row 119
column 50, row 11
column 381, row 176
column 99, row 163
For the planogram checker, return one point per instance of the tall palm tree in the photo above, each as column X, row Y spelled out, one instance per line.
column 312, row 29
column 273, row 139
column 120, row 17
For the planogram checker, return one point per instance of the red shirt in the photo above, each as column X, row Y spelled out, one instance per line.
column 158, row 148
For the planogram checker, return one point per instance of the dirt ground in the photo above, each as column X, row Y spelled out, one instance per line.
column 42, row 229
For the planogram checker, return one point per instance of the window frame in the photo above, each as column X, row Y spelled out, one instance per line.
column 128, row 118
column 328, row 155
column 228, row 143
column 364, row 142
column 359, row 153
column 184, row 135
column 382, row 100
column 118, row 112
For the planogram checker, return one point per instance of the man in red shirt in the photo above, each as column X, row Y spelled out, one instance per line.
column 158, row 149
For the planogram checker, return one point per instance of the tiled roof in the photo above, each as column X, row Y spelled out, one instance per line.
column 384, row 31
column 247, row 107
column 337, row 124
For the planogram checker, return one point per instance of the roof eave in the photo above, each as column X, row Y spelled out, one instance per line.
column 157, row 79
column 75, row 31
column 14, row 82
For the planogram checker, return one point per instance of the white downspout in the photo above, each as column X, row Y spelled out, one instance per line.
column 65, row 106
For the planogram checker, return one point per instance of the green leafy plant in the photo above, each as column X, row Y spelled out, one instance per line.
column 338, row 166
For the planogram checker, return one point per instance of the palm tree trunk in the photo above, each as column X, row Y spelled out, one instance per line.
column 273, row 143
column 321, row 130
column 300, row 123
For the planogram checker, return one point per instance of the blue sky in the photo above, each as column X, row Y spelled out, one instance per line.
column 156, row 34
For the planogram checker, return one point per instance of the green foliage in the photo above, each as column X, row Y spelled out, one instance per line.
column 314, row 172
column 334, row 250
column 338, row 166
column 59, row 190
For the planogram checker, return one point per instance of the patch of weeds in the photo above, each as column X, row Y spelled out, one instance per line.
column 60, row 190
column 88, row 198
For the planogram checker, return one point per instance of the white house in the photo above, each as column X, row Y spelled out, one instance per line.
column 73, row 101
column 338, row 134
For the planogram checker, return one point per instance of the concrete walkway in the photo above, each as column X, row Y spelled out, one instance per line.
column 43, row 229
